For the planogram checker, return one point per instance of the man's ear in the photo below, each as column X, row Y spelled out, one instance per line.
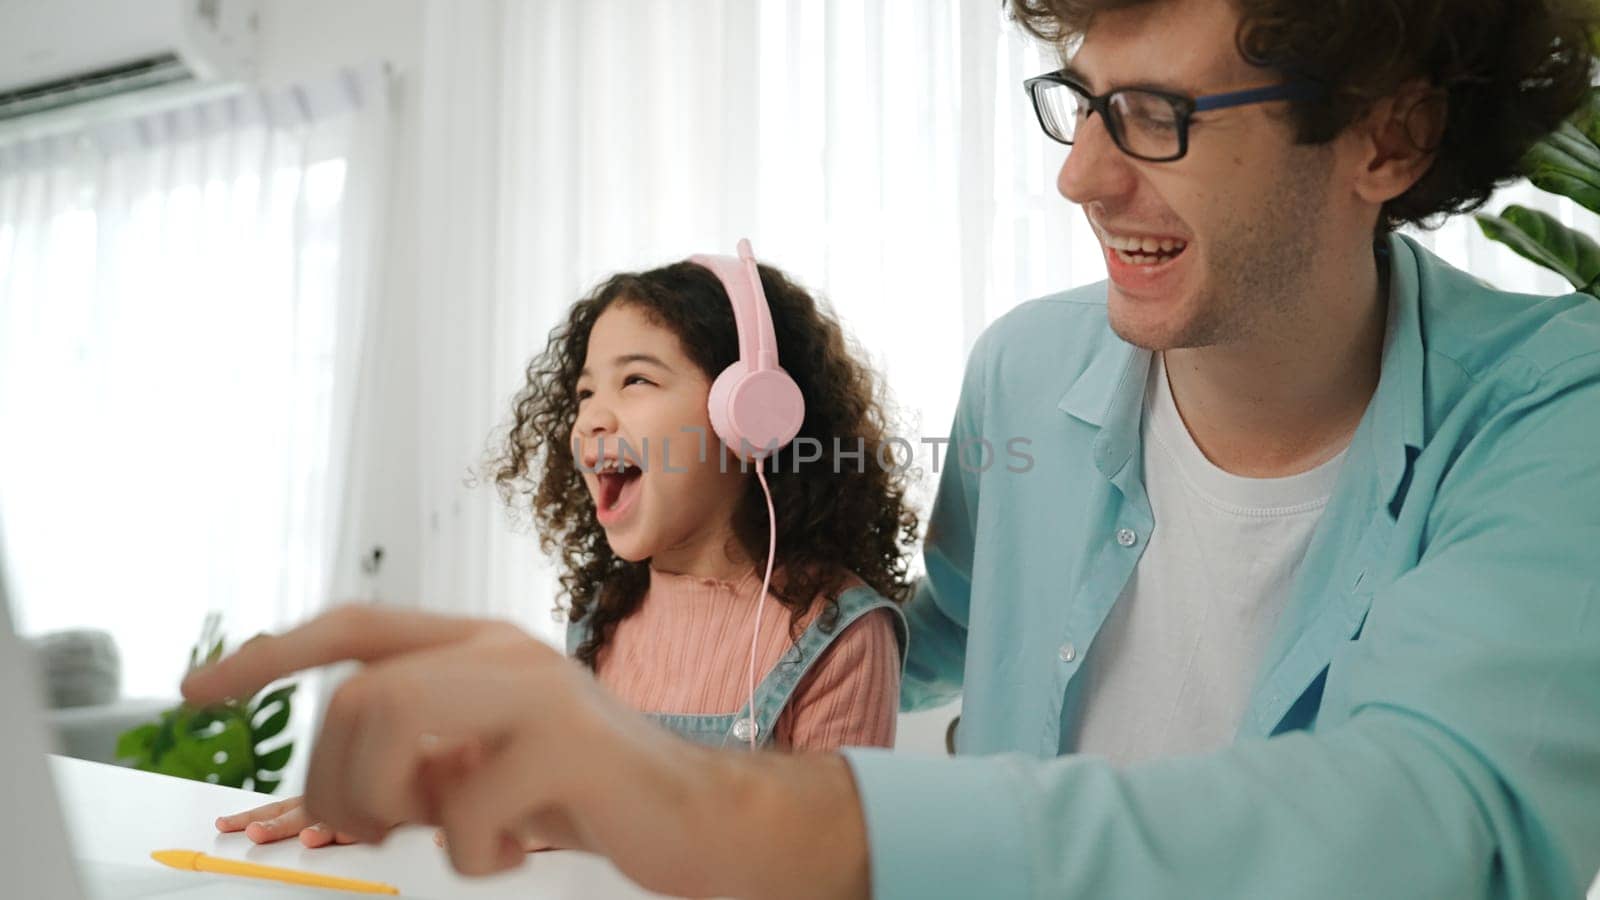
column 1397, row 140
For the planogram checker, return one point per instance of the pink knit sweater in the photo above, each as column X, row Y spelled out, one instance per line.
column 686, row 651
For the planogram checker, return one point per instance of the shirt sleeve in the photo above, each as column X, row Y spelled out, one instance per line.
column 937, row 612
column 1456, row 752
column 850, row 696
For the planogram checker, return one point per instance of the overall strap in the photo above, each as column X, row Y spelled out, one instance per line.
column 777, row 688
column 577, row 633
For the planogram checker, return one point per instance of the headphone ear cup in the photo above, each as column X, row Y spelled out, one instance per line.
column 718, row 406
column 759, row 412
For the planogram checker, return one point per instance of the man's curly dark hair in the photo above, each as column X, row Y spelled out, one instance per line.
column 835, row 516
column 1509, row 71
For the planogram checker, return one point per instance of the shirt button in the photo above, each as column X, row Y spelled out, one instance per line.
column 1127, row 537
column 746, row 729
column 1068, row 652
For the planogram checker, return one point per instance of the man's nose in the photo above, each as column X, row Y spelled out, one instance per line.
column 1095, row 168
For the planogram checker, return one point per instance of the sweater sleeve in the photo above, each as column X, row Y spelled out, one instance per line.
column 851, row 696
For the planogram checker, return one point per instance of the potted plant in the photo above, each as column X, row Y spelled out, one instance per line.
column 225, row 744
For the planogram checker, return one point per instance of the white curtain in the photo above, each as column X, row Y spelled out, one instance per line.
column 183, row 306
column 569, row 139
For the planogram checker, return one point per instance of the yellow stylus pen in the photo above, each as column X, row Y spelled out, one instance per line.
column 196, row 861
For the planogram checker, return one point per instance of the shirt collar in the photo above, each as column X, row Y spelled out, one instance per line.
column 1109, row 393
column 1395, row 413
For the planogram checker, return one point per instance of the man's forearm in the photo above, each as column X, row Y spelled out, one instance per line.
column 782, row 825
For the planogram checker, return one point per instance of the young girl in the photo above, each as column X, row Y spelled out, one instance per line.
column 663, row 535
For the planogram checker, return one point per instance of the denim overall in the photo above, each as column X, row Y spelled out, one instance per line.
column 773, row 691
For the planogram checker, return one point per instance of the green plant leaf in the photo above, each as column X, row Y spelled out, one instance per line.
column 266, row 700
column 209, row 719
column 1541, row 238
column 134, row 744
column 166, row 734
column 276, row 708
column 209, row 646
column 275, row 760
column 227, row 754
column 1566, row 162
column 269, row 715
column 1587, row 117
column 176, row 766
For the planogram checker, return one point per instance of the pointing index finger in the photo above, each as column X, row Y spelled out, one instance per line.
column 359, row 633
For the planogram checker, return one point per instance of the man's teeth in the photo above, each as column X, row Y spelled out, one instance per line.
column 1142, row 245
column 1143, row 251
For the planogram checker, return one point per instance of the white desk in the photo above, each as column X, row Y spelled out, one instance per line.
column 118, row 815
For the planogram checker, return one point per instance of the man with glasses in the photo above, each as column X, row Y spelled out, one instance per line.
column 1301, row 598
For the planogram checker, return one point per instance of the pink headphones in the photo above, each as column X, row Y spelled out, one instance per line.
column 754, row 404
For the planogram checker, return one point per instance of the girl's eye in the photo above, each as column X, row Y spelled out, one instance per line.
column 635, row 379
column 584, row 394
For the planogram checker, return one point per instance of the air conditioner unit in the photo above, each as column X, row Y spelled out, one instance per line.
column 58, row 53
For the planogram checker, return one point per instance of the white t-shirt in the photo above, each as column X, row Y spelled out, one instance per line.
column 1172, row 668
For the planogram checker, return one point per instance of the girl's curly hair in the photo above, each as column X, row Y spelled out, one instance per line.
column 1508, row 70
column 832, row 520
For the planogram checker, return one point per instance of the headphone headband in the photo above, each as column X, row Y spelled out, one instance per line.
column 752, row 318
column 755, row 407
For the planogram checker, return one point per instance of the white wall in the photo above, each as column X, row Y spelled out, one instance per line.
column 306, row 37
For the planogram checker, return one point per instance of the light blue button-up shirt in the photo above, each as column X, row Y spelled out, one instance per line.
column 1426, row 722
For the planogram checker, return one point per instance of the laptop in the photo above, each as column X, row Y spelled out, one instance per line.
column 35, row 852
column 33, row 843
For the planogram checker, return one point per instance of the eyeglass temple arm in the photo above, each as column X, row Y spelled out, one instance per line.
column 1295, row 90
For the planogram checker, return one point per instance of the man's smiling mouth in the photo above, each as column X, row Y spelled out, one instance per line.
column 1138, row 250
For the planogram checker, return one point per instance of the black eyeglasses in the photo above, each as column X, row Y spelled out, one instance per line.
column 1144, row 123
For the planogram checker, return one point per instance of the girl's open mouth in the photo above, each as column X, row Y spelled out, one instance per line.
column 619, row 486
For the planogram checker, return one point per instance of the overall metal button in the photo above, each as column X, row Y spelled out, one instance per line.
column 746, row 729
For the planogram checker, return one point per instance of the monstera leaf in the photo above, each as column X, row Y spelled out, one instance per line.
column 1587, row 118
column 226, row 744
column 1566, row 162
column 1541, row 238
